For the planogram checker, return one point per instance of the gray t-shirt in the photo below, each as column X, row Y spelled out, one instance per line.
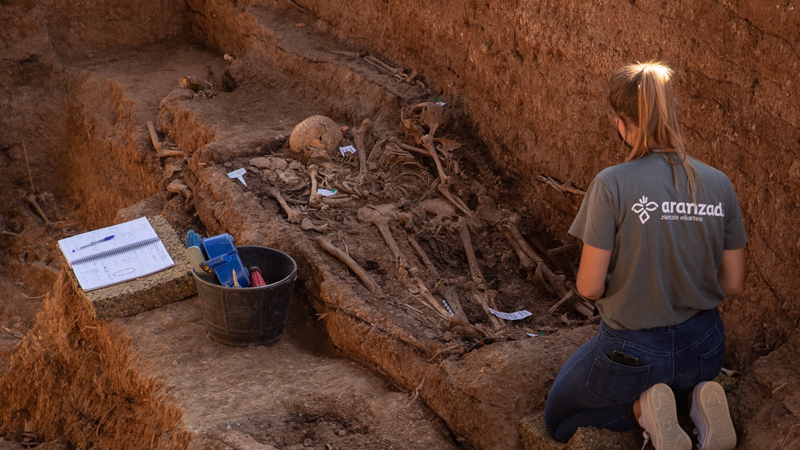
column 666, row 248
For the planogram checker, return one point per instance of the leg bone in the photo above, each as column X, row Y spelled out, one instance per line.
column 427, row 141
column 292, row 215
column 369, row 283
column 474, row 269
column 360, row 134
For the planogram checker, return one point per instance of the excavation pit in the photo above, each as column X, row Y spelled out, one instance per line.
column 360, row 366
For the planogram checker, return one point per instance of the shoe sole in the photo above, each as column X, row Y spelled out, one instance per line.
column 713, row 405
column 669, row 434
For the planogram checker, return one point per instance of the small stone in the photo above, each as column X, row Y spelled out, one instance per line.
column 308, row 443
column 447, row 337
column 261, row 162
column 227, row 165
column 342, row 433
column 278, row 164
column 174, row 363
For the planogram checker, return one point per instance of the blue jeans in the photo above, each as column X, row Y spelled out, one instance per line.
column 592, row 390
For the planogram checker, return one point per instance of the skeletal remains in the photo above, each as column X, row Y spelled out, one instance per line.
column 317, row 137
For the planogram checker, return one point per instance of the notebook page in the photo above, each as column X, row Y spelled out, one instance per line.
column 112, row 269
column 124, row 234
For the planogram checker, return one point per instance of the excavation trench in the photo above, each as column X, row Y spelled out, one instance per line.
column 358, row 367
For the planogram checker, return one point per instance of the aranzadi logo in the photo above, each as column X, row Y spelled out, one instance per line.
column 642, row 207
column 677, row 210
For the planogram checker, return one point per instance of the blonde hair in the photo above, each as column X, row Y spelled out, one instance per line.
column 642, row 94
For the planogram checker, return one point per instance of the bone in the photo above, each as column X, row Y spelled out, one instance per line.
column 480, row 298
column 446, row 146
column 368, row 282
column 292, row 215
column 314, row 199
column 560, row 187
column 194, row 83
column 31, row 199
column 360, row 134
column 441, row 208
column 562, row 249
column 161, row 152
column 308, row 225
column 420, row 151
column 177, row 187
column 731, row 373
column 381, row 64
column 431, row 115
column 487, row 210
column 377, row 149
column 454, row 200
column 153, row 136
column 427, row 141
column 525, row 261
column 437, row 306
column 451, row 296
column 474, row 268
column 424, row 257
column 377, row 215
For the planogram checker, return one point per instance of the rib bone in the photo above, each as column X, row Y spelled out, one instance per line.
column 292, row 215
column 326, row 245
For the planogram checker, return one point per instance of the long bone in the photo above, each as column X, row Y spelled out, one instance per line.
column 369, row 283
column 457, row 202
column 427, row 141
column 556, row 282
column 450, row 294
column 474, row 268
column 315, row 199
column 292, row 215
column 360, row 133
column 424, row 257
column 480, row 297
column 380, row 216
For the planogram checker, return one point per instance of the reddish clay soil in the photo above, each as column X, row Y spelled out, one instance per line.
column 363, row 367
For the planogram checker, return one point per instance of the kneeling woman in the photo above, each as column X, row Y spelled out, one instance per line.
column 663, row 246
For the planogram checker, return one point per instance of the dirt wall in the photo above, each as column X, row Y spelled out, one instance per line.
column 530, row 76
column 81, row 28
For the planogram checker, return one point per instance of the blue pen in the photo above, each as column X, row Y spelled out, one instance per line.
column 107, row 238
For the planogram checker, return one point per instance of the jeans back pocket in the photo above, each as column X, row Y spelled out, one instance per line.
column 617, row 382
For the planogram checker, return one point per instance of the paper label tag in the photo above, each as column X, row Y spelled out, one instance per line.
column 535, row 335
column 238, row 175
column 441, row 103
column 519, row 315
column 347, row 149
column 447, row 307
column 326, row 192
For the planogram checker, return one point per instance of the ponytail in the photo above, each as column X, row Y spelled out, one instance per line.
column 642, row 94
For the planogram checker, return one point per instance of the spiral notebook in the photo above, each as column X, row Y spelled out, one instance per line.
column 115, row 254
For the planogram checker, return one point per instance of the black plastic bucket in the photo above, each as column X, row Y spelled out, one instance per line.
column 253, row 315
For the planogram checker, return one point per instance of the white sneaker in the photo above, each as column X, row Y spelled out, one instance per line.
column 660, row 419
column 710, row 415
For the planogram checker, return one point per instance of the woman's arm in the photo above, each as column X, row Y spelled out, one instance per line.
column 731, row 272
column 592, row 272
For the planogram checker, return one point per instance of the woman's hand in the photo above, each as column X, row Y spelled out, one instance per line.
column 592, row 272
